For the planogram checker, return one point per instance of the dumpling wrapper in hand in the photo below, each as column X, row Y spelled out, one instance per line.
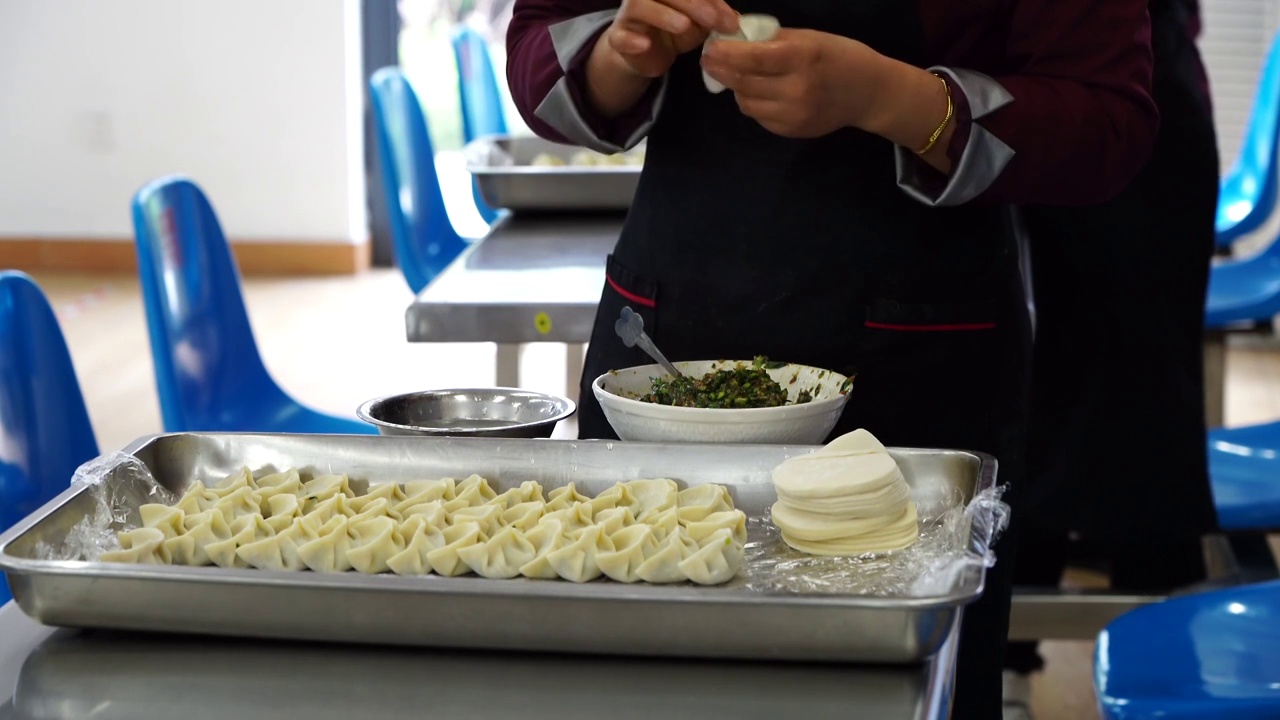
column 751, row 28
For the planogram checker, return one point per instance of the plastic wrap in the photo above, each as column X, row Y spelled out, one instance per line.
column 114, row 506
column 933, row 567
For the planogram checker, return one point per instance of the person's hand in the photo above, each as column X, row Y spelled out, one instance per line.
column 648, row 35
column 802, row 83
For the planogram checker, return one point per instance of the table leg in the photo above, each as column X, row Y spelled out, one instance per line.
column 574, row 357
column 1215, row 377
column 508, row 365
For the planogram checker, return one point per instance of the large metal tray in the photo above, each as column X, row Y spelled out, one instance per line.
column 731, row 621
column 523, row 187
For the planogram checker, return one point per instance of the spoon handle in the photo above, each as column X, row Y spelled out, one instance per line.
column 647, row 345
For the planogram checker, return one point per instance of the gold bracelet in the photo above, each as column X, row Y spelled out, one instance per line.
column 937, row 134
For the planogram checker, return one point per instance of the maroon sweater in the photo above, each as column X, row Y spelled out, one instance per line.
column 1071, row 123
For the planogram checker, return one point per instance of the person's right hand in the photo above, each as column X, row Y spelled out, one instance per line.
column 648, row 34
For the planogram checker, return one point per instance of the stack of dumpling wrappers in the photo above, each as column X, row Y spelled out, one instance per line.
column 849, row 498
column 642, row 530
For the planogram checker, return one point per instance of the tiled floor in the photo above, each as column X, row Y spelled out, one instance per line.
column 335, row 342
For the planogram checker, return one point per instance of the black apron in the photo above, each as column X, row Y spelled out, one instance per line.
column 742, row 243
column 1118, row 448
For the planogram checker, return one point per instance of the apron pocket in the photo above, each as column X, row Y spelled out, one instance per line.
column 927, row 373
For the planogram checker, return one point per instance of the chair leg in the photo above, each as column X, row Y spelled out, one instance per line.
column 508, row 365
column 574, row 357
column 1215, row 377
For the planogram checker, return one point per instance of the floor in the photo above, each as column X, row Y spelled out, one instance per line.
column 335, row 342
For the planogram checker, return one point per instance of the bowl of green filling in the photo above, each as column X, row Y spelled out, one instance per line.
column 724, row 401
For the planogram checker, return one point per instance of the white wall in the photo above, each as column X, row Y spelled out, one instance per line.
column 1237, row 36
column 258, row 100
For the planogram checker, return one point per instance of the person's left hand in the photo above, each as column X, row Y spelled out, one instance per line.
column 802, row 83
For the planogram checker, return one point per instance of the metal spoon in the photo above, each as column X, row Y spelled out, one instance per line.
column 630, row 327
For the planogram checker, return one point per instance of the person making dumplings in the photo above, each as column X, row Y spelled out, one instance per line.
column 845, row 203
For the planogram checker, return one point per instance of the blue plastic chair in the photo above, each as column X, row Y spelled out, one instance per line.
column 209, row 374
column 424, row 239
column 1209, row 656
column 1248, row 192
column 1244, row 467
column 45, row 431
column 1245, row 290
column 478, row 94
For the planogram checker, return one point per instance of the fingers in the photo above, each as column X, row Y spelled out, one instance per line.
column 770, row 58
column 676, row 16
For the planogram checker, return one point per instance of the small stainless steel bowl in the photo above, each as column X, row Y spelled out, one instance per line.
column 475, row 412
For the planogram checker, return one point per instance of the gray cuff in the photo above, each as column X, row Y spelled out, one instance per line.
column 985, row 155
column 561, row 111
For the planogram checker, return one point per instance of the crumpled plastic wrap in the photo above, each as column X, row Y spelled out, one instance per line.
column 484, row 154
column 955, row 539
column 115, row 506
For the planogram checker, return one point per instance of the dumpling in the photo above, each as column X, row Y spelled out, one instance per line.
column 528, row 491
column 245, row 530
column 377, row 508
column 663, row 564
column 611, row 498
column 651, row 497
column 388, row 492
column 165, row 518
column 575, row 561
column 322, row 488
column 286, row 483
column 614, row 519
column 734, row 520
column 282, row 510
column 433, row 512
column 196, row 499
column 420, row 537
column 523, row 516
column 373, row 542
column 424, row 491
column 144, row 546
column 574, row 518
column 444, row 559
column 546, row 537
column 664, row 523
column 501, row 557
column 475, row 490
column 233, row 482
column 322, row 512
column 717, row 561
column 328, row 552
column 241, row 503
column 488, row 517
column 632, row 546
column 262, row 554
column 696, row 503
column 202, row 530
column 563, row 498
column 302, row 531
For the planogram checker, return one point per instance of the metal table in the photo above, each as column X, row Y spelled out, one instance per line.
column 47, row 673
column 532, row 279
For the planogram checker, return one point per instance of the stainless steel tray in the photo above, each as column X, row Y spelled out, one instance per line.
column 731, row 621
column 523, row 187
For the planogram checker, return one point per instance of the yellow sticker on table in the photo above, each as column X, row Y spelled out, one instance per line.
column 542, row 322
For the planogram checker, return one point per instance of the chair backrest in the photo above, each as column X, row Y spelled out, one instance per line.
column 482, row 111
column 45, row 433
column 206, row 360
column 1249, row 190
column 424, row 239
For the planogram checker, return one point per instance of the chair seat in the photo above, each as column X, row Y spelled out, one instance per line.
column 1244, row 468
column 1243, row 291
column 1213, row 655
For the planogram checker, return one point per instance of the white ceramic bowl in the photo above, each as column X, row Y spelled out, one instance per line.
column 807, row 424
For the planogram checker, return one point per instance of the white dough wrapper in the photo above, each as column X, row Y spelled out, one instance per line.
column 752, row 28
column 899, row 535
column 839, row 476
column 813, row 527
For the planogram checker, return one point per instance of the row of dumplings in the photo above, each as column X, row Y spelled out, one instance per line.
column 642, row 530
